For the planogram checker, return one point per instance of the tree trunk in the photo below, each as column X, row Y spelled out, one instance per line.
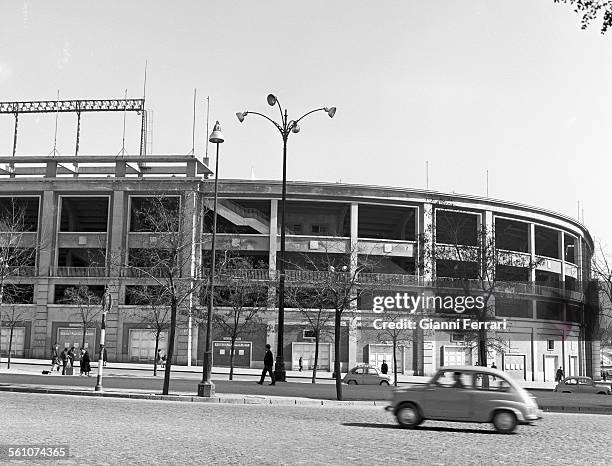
column 155, row 355
column 231, row 374
column 316, row 358
column 482, row 347
column 84, row 334
column 337, row 356
column 10, row 346
column 394, row 362
column 173, row 311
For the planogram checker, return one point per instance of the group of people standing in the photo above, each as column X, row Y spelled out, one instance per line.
column 65, row 360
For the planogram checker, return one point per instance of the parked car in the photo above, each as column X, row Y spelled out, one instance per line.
column 576, row 384
column 467, row 394
column 365, row 375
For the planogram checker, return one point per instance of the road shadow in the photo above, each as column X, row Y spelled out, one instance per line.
column 372, row 425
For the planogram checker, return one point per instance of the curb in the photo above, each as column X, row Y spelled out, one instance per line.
column 250, row 400
column 259, row 400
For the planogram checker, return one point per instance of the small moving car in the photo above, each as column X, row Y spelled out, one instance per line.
column 467, row 394
column 581, row 384
column 365, row 375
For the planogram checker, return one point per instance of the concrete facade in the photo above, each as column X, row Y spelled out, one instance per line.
column 401, row 228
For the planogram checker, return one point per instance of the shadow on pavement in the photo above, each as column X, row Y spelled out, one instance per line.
column 420, row 428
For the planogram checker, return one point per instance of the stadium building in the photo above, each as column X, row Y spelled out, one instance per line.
column 79, row 221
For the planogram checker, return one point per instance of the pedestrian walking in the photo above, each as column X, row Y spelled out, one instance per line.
column 64, row 358
column 268, row 363
column 493, row 366
column 163, row 361
column 559, row 375
column 384, row 368
column 81, row 367
column 86, row 363
column 104, row 358
column 301, row 364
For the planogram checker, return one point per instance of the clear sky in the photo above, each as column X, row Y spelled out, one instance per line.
column 514, row 87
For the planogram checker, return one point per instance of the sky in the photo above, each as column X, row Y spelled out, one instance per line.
column 512, row 87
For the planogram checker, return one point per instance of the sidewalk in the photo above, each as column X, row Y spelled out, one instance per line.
column 226, row 398
column 242, row 371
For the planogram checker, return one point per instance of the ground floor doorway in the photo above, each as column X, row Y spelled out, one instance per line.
column 142, row 344
column 306, row 350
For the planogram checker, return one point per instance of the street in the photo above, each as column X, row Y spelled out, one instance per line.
column 187, row 383
column 123, row 431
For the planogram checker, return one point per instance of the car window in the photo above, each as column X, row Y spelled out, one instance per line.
column 571, row 382
column 584, row 382
column 489, row 382
column 373, row 371
column 453, row 379
column 358, row 370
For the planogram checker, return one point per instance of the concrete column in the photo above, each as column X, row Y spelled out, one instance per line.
column 43, row 292
column 532, row 251
column 562, row 253
column 118, row 239
column 353, row 323
column 272, row 251
column 427, row 269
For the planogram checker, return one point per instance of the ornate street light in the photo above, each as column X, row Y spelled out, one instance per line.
column 286, row 127
column 207, row 387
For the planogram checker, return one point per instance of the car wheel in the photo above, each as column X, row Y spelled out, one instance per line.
column 351, row 382
column 504, row 422
column 384, row 382
column 408, row 415
column 601, row 393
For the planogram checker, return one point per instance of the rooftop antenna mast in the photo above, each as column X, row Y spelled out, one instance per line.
column 194, row 123
column 207, row 118
column 143, row 125
column 122, row 152
column 54, row 151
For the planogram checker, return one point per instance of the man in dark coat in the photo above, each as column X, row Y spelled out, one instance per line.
column 559, row 375
column 64, row 358
column 268, row 363
column 86, row 363
column 383, row 367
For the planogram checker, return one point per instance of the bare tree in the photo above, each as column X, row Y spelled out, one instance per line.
column 13, row 316
column 17, row 257
column 314, row 307
column 337, row 284
column 397, row 335
column 167, row 262
column 153, row 311
column 239, row 299
column 89, row 307
column 465, row 258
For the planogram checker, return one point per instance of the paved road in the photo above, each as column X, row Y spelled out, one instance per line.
column 122, row 431
column 182, row 384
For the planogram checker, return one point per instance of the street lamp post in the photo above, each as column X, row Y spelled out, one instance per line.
column 206, row 388
column 107, row 302
column 286, row 128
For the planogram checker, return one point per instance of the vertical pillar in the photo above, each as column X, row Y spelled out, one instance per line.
column 426, row 254
column 272, row 252
column 115, row 258
column 43, row 289
column 353, row 324
column 562, row 254
column 532, row 251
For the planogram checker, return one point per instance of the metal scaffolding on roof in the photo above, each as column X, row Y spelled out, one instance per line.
column 77, row 106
